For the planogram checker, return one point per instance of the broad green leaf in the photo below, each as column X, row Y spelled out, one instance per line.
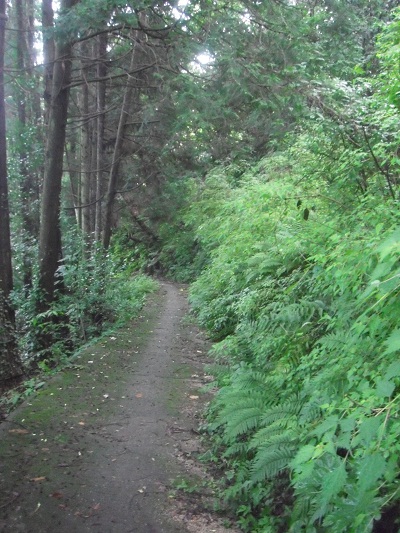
column 369, row 429
column 390, row 245
column 393, row 370
column 333, row 483
column 391, row 471
column 384, row 387
column 347, row 424
column 393, row 343
column 328, row 425
column 303, row 455
column 372, row 468
column 305, row 471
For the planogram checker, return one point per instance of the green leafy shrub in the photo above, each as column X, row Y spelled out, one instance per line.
column 95, row 292
column 302, row 292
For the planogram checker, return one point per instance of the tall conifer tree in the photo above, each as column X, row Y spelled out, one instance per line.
column 10, row 366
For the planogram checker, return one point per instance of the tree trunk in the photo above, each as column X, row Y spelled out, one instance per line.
column 50, row 233
column 117, row 154
column 28, row 112
column 48, row 51
column 101, row 107
column 10, row 364
column 86, row 148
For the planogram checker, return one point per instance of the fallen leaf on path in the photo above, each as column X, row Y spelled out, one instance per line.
column 139, row 395
column 37, row 508
column 192, row 397
column 57, row 495
column 96, row 507
column 38, row 479
column 81, row 423
column 19, row 431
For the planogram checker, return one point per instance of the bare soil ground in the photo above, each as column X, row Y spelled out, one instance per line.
column 104, row 445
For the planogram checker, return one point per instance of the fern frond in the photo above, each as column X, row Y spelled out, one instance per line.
column 271, row 436
column 309, row 413
column 261, row 265
column 283, row 413
column 230, row 399
column 337, row 340
column 249, row 380
column 242, row 422
column 219, row 371
column 259, row 382
column 300, row 513
column 271, row 460
column 238, row 448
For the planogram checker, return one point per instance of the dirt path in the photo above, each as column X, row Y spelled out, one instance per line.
column 98, row 448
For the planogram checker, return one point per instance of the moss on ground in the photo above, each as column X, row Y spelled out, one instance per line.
column 43, row 440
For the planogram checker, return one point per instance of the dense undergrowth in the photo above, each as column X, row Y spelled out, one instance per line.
column 299, row 284
column 306, row 314
column 96, row 292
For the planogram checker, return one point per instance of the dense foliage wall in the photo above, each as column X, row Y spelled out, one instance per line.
column 301, row 293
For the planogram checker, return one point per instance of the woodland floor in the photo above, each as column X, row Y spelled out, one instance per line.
column 106, row 444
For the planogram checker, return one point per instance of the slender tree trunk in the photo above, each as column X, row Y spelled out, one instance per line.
column 48, row 51
column 86, row 146
column 93, row 174
column 26, row 186
column 10, row 365
column 74, row 177
column 86, row 155
column 101, row 107
column 50, row 233
column 117, row 155
column 27, row 112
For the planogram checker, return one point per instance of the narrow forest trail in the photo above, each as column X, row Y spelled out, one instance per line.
column 98, row 448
